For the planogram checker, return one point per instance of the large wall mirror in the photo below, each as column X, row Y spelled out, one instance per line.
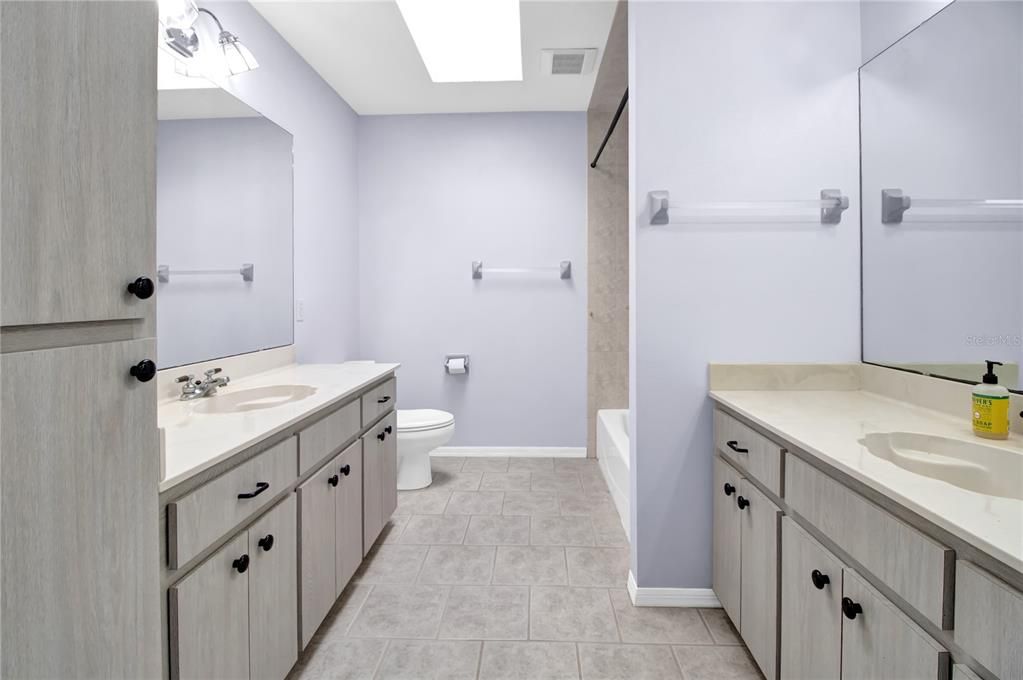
column 224, row 224
column 942, row 192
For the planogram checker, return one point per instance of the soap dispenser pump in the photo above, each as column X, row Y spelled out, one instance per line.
column 991, row 406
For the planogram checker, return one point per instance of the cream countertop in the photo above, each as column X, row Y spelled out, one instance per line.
column 829, row 425
column 195, row 441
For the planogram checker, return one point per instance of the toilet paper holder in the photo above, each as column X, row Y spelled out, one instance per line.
column 448, row 360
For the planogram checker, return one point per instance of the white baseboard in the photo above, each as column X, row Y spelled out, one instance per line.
column 671, row 597
column 512, row 451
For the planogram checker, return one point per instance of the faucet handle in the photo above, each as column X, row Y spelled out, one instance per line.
column 184, row 378
column 213, row 371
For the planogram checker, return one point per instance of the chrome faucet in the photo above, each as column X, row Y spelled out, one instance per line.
column 196, row 389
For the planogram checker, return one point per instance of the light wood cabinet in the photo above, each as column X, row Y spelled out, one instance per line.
column 209, row 617
column 749, row 450
column 727, row 541
column 78, row 507
column 317, row 589
column 881, row 643
column 989, row 620
column 759, row 582
column 78, row 124
column 378, row 401
column 348, row 517
column 380, row 478
column 273, row 593
column 811, row 607
column 327, row 435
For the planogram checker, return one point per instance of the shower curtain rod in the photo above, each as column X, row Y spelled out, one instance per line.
column 611, row 129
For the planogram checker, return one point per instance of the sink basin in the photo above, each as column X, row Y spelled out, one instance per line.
column 969, row 465
column 253, row 399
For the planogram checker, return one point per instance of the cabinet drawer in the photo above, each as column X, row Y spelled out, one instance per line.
column 378, row 401
column 327, row 435
column 882, row 643
column 916, row 567
column 197, row 519
column 749, row 449
column 989, row 620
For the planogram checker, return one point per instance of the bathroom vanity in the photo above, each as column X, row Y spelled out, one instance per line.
column 843, row 547
column 275, row 490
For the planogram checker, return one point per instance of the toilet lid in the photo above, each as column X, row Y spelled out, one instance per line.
column 416, row 420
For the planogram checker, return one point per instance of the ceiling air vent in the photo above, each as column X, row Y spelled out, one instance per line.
column 574, row 62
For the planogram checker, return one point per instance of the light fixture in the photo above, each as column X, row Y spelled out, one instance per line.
column 466, row 40
column 178, row 19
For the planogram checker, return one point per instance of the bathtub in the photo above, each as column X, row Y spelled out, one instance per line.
column 613, row 456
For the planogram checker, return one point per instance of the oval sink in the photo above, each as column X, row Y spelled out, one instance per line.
column 969, row 465
column 254, row 399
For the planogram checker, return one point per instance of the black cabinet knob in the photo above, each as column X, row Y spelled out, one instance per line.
column 743, row 503
column 142, row 288
column 382, row 436
column 346, row 470
column 734, row 446
column 241, row 564
column 729, row 489
column 333, row 480
column 266, row 543
column 143, row 371
column 388, row 429
column 851, row 609
column 819, row 580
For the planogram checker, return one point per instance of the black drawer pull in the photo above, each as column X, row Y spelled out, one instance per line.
column 734, row 446
column 819, row 580
column 346, row 470
column 729, row 489
column 266, row 543
column 143, row 371
column 743, row 503
column 382, row 436
column 260, row 488
column 333, row 480
column 850, row 608
column 241, row 564
column 142, row 288
column 383, row 400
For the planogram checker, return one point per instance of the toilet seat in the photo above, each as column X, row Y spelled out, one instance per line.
column 423, row 420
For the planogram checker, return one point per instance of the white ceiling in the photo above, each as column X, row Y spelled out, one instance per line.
column 363, row 49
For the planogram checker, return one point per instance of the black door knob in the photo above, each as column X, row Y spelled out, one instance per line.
column 729, row 489
column 850, row 608
column 388, row 429
column 346, row 470
column 143, row 371
column 142, row 288
column 241, row 564
column 819, row 580
column 333, row 480
column 382, row 436
column 266, row 543
column 743, row 503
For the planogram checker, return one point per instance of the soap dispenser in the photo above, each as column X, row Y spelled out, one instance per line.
column 991, row 406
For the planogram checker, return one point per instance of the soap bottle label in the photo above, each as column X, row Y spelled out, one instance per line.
column 990, row 415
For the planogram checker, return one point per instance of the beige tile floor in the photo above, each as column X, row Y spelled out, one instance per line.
column 512, row 569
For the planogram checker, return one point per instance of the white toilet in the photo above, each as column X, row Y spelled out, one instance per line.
column 420, row 431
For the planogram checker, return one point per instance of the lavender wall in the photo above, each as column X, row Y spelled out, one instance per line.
column 439, row 191
column 223, row 197
column 288, row 91
column 730, row 101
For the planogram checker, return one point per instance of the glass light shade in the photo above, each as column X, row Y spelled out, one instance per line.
column 236, row 55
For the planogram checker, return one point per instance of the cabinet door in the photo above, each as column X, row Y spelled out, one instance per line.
column 882, row 643
column 79, row 519
column 372, row 484
column 209, row 617
column 811, row 607
column 348, row 516
column 759, row 587
column 273, row 593
column 316, row 549
column 78, row 124
column 727, row 537
column 389, row 469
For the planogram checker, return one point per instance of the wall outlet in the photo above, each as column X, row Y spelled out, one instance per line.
column 299, row 310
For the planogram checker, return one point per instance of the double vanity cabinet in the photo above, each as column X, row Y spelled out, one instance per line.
column 825, row 578
column 260, row 546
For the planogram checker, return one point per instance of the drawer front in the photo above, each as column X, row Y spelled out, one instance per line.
column 327, row 435
column 913, row 565
column 882, row 643
column 198, row 519
column 749, row 449
column 989, row 620
column 378, row 401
